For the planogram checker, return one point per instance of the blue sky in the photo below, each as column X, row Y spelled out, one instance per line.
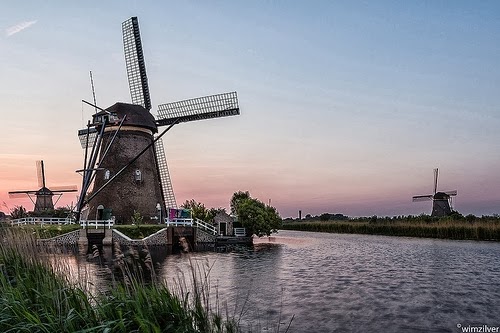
column 346, row 106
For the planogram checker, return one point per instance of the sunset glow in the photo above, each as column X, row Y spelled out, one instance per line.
column 345, row 108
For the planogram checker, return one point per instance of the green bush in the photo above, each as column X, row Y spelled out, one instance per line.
column 139, row 231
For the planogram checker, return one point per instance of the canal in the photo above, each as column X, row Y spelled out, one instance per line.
column 319, row 282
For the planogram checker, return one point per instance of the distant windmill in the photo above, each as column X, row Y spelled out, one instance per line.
column 440, row 200
column 43, row 196
column 127, row 164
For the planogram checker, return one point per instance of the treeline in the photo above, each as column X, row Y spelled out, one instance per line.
column 322, row 217
column 454, row 216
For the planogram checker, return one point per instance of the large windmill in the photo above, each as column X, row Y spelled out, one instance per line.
column 43, row 197
column 440, row 200
column 124, row 155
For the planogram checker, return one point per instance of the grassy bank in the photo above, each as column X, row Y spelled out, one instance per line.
column 38, row 297
column 447, row 229
column 46, row 230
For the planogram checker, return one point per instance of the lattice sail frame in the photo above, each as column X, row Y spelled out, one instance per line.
column 82, row 136
column 136, row 67
column 207, row 107
column 166, row 181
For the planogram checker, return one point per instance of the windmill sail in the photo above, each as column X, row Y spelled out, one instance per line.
column 166, row 182
column 207, row 107
column 422, row 197
column 136, row 67
column 40, row 172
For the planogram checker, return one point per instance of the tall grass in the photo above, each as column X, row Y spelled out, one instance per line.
column 447, row 229
column 36, row 297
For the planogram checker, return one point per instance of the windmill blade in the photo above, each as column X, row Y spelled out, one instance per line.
column 451, row 193
column 422, row 197
column 435, row 180
column 23, row 192
column 134, row 60
column 166, row 182
column 20, row 194
column 82, row 135
column 68, row 188
column 215, row 106
column 39, row 173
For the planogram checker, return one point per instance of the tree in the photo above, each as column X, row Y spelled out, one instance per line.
column 237, row 198
column 198, row 210
column 324, row 217
column 257, row 218
column 212, row 212
column 470, row 218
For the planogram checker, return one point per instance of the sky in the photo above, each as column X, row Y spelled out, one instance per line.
column 346, row 106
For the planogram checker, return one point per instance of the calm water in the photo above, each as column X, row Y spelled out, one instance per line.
column 351, row 283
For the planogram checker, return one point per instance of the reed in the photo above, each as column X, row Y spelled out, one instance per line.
column 444, row 228
column 36, row 297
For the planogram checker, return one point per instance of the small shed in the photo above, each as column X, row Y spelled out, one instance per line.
column 224, row 224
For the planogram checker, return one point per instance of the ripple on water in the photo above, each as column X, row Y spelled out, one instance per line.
column 353, row 283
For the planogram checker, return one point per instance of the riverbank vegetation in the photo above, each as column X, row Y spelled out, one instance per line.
column 258, row 219
column 38, row 296
column 450, row 227
column 44, row 231
column 250, row 213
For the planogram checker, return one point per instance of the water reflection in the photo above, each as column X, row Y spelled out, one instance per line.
column 333, row 282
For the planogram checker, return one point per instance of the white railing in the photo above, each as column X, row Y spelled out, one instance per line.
column 42, row 220
column 240, row 232
column 178, row 222
column 205, row 226
column 97, row 223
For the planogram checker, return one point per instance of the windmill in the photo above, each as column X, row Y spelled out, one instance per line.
column 126, row 163
column 43, row 196
column 440, row 200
